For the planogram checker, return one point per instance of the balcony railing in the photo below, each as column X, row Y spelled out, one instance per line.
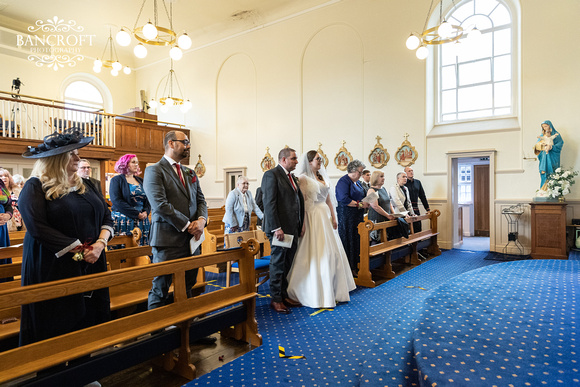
column 33, row 118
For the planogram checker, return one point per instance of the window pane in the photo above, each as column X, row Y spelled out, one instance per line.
column 503, row 94
column 502, row 111
column 481, row 22
column 503, row 42
column 477, row 114
column 475, row 72
column 448, row 102
column 478, row 49
column 447, row 54
column 502, row 69
column 476, row 97
column 83, row 91
column 464, row 11
column 448, row 80
column 485, row 7
column 449, row 117
column 501, row 16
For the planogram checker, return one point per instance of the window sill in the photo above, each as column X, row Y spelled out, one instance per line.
column 488, row 125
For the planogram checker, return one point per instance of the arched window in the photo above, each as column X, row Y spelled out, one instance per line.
column 84, row 94
column 479, row 81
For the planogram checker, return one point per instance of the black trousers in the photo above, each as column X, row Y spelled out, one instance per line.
column 281, row 260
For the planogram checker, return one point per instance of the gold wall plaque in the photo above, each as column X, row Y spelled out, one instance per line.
column 342, row 158
column 379, row 157
column 406, row 154
column 322, row 155
column 199, row 168
column 267, row 162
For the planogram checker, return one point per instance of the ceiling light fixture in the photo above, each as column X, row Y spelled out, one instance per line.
column 168, row 98
column 442, row 33
column 151, row 33
column 114, row 65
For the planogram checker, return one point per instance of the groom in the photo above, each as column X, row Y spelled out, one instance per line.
column 283, row 215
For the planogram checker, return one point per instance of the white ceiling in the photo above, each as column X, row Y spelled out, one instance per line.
column 204, row 20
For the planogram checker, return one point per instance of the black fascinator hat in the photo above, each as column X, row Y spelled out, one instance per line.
column 58, row 143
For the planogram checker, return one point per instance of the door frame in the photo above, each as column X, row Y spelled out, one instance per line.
column 452, row 194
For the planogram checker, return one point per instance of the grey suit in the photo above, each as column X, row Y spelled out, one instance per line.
column 172, row 207
column 283, row 208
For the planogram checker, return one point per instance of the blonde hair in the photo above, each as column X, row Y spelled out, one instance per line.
column 52, row 173
column 375, row 177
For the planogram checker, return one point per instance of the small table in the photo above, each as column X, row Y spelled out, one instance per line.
column 512, row 215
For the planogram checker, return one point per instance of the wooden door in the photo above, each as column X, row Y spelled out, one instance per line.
column 481, row 200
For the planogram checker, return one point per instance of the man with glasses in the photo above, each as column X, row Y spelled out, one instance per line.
column 84, row 171
column 178, row 212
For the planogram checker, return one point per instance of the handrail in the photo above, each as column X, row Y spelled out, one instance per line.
column 81, row 109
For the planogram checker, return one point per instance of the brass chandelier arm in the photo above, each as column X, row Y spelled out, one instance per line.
column 160, row 40
column 431, row 36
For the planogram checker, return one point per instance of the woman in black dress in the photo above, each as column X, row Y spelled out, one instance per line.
column 69, row 225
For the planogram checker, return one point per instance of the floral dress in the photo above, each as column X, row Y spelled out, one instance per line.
column 123, row 224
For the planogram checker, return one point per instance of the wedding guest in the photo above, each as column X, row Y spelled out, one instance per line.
column 320, row 275
column 130, row 205
column 400, row 196
column 381, row 210
column 350, row 211
column 239, row 207
column 15, row 223
column 5, row 217
column 69, row 225
column 85, row 172
column 416, row 192
column 19, row 180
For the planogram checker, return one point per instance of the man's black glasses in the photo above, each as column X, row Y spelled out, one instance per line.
column 184, row 142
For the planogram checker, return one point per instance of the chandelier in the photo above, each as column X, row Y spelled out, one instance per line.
column 114, row 65
column 169, row 98
column 442, row 33
column 151, row 33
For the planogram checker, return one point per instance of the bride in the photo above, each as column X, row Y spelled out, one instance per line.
column 320, row 275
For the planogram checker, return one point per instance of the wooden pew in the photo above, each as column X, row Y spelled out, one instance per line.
column 262, row 258
column 379, row 257
column 16, row 237
column 240, row 313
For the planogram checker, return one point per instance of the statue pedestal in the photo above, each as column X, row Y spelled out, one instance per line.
column 549, row 230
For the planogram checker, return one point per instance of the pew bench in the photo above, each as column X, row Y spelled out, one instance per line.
column 234, row 306
column 16, row 237
column 377, row 259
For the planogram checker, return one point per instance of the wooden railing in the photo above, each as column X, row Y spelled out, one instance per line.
column 32, row 118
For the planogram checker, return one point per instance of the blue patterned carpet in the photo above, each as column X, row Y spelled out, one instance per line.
column 337, row 344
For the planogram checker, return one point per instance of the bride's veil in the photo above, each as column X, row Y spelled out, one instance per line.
column 303, row 168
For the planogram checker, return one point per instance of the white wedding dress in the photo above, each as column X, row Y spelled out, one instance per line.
column 320, row 274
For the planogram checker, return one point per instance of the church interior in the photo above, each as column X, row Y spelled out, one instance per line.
column 334, row 76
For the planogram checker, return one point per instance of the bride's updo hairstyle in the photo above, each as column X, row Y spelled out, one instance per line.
column 310, row 156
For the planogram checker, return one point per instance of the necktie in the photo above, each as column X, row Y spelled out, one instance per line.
column 178, row 168
column 292, row 181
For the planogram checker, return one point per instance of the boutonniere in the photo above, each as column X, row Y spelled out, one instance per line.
column 191, row 174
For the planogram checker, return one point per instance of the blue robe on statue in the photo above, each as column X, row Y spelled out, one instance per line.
column 550, row 161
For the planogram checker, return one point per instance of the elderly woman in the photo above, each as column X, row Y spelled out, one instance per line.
column 381, row 210
column 239, row 207
column 69, row 225
column 130, row 205
column 350, row 211
column 14, row 224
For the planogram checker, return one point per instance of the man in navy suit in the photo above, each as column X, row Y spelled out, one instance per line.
column 178, row 212
column 283, row 214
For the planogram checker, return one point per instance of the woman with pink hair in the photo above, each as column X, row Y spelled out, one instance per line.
column 130, row 205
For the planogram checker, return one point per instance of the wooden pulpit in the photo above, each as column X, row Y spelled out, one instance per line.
column 548, row 230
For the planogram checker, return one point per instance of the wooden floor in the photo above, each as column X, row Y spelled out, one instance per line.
column 206, row 358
